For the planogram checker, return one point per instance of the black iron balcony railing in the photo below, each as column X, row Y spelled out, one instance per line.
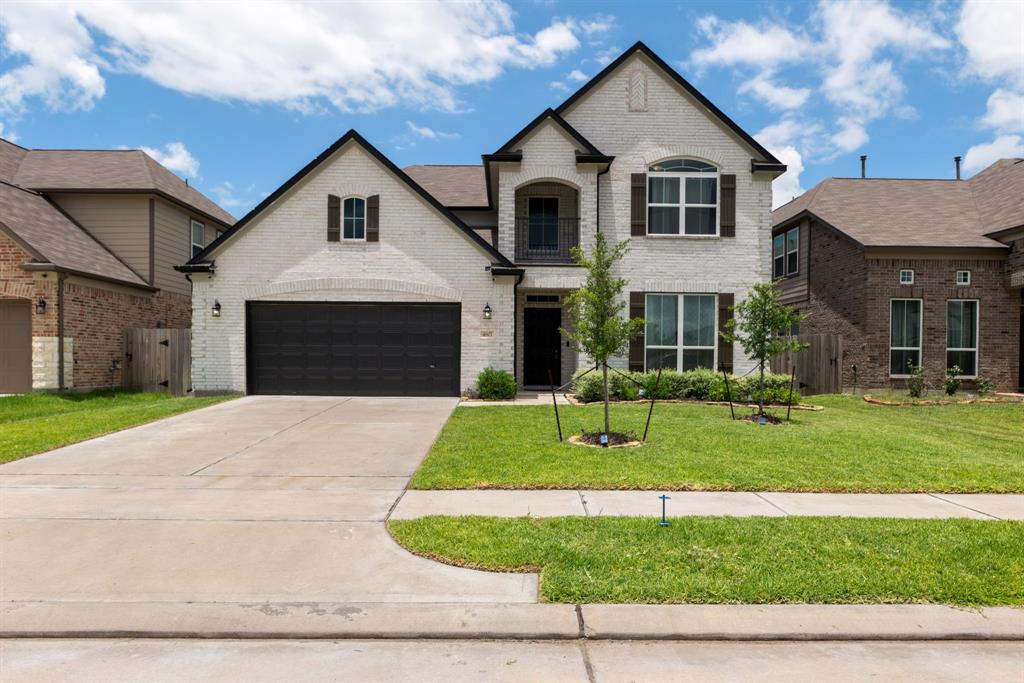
column 546, row 240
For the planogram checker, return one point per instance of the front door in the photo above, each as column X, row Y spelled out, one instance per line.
column 1020, row 346
column 542, row 346
column 15, row 346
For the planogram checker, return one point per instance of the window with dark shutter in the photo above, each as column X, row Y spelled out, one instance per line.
column 725, row 304
column 333, row 218
column 373, row 218
column 636, row 346
column 638, row 205
column 727, row 219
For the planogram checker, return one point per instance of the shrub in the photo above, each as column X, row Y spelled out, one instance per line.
column 623, row 387
column 587, row 386
column 983, row 385
column 915, row 383
column 496, row 385
column 951, row 383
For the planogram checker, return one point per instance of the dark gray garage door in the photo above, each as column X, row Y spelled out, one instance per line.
column 353, row 349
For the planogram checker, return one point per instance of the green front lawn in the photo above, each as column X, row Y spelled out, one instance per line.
column 738, row 560
column 34, row 423
column 850, row 446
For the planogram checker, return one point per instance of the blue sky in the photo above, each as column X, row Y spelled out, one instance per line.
column 238, row 97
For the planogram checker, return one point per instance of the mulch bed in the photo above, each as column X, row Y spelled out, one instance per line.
column 615, row 440
column 769, row 418
column 571, row 398
column 933, row 402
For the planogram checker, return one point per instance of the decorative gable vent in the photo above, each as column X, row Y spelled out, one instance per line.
column 637, row 96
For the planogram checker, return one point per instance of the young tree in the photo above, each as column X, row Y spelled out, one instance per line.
column 600, row 329
column 761, row 324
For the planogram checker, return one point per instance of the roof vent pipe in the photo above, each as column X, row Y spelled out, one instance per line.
column 956, row 160
column 863, row 165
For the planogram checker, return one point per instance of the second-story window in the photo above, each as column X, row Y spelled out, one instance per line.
column 198, row 238
column 682, row 198
column 786, row 253
column 543, row 223
column 354, row 219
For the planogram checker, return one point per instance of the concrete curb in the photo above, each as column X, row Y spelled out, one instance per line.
column 475, row 621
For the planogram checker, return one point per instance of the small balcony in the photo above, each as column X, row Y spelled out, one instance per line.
column 546, row 239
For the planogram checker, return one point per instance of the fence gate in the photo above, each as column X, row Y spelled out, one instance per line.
column 158, row 360
column 819, row 368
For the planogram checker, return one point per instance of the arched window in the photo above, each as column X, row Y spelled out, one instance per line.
column 354, row 219
column 682, row 198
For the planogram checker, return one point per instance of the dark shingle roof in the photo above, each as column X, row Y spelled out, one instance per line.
column 109, row 171
column 884, row 212
column 52, row 237
column 452, row 185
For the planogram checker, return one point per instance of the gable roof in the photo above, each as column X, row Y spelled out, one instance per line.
column 86, row 170
column 54, row 239
column 587, row 150
column 202, row 258
column 455, row 186
column 889, row 212
column 639, row 46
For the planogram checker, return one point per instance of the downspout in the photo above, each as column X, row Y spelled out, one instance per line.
column 515, row 324
column 598, row 213
column 60, row 332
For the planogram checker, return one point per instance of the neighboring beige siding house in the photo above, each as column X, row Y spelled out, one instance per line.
column 356, row 277
column 88, row 244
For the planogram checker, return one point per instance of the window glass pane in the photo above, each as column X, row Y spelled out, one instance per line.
column 898, row 361
column 700, row 221
column 780, row 269
column 698, row 358
column 661, row 358
column 543, row 223
column 965, row 359
column 701, row 190
column 198, row 233
column 792, row 239
column 663, row 190
column 906, row 316
column 961, row 328
column 792, row 265
column 663, row 220
column 355, row 207
column 698, row 321
column 684, row 165
column 778, row 245
column 662, row 324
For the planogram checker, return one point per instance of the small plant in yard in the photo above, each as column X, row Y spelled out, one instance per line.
column 983, row 385
column 915, row 383
column 951, row 383
column 496, row 385
column 599, row 329
column 755, row 326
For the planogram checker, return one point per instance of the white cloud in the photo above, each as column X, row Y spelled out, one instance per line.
column 992, row 34
column 1005, row 111
column 175, row 157
column 776, row 96
column 430, row 133
column 741, row 43
column 601, row 24
column 983, row 155
column 781, row 139
column 577, row 76
column 305, row 55
column 7, row 133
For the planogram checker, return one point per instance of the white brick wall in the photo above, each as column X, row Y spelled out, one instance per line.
column 673, row 125
column 284, row 255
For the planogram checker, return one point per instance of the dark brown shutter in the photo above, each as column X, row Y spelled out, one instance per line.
column 333, row 218
column 373, row 218
column 638, row 205
column 636, row 346
column 725, row 302
column 727, row 220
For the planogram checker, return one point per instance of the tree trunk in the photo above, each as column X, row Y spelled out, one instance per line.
column 760, row 397
column 607, row 428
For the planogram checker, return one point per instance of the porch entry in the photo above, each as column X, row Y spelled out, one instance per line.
column 542, row 346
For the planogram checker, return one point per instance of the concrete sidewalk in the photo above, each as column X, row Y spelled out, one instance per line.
column 558, row 503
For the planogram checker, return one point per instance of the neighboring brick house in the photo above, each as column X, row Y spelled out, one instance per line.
column 88, row 244
column 928, row 272
column 356, row 277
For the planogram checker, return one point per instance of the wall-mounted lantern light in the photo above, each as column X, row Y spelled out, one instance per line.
column 487, row 311
column 216, row 309
column 41, row 306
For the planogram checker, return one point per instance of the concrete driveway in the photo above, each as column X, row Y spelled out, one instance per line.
column 258, row 500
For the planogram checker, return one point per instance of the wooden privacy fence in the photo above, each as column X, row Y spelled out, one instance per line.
column 819, row 368
column 158, row 360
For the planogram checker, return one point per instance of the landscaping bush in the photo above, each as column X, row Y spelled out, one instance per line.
column 698, row 385
column 983, row 385
column 915, row 383
column 951, row 383
column 496, row 385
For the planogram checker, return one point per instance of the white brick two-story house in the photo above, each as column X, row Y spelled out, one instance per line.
column 357, row 277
